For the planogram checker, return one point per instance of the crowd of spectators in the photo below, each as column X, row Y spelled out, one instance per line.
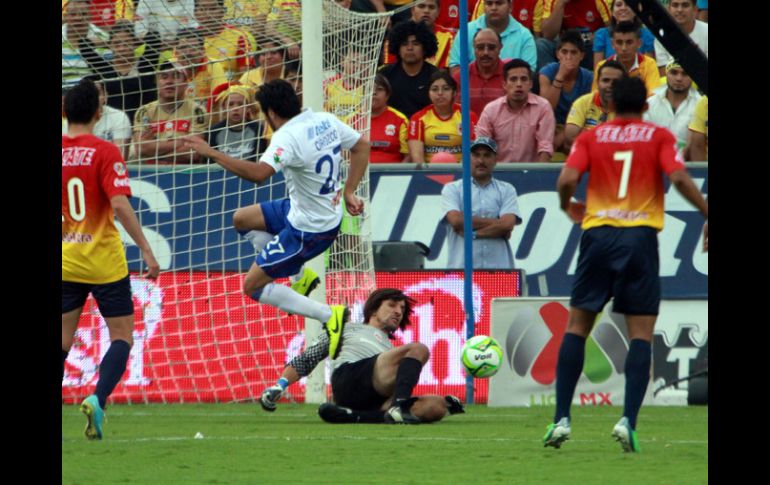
column 540, row 72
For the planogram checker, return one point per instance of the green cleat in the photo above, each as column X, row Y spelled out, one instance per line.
column 307, row 283
column 626, row 436
column 557, row 433
column 90, row 407
column 334, row 327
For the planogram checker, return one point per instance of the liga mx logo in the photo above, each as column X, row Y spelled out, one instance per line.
column 535, row 335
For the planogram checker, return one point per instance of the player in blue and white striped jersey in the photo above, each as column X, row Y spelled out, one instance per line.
column 286, row 233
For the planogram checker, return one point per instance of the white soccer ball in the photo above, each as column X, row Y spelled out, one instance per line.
column 482, row 356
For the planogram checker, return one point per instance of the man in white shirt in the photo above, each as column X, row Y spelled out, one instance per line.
column 673, row 105
column 685, row 14
column 287, row 233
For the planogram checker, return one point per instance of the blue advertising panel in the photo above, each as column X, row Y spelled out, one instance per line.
column 187, row 217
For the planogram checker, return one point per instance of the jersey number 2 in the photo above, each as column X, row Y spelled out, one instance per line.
column 625, row 157
column 329, row 185
column 76, row 199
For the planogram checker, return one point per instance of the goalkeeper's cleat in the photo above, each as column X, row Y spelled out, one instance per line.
column 400, row 412
column 557, row 433
column 307, row 283
column 95, row 415
column 270, row 397
column 334, row 327
column 626, row 436
column 331, row 413
column 454, row 405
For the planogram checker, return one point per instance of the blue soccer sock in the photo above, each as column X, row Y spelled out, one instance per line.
column 637, row 371
column 111, row 369
column 568, row 369
column 64, row 354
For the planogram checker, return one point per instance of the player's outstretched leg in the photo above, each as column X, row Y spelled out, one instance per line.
column 95, row 416
column 332, row 413
column 334, row 327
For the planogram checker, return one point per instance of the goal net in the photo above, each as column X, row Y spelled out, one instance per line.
column 172, row 69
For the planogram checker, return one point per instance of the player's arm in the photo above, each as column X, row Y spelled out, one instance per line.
column 359, row 160
column 566, row 186
column 300, row 366
column 125, row 214
column 254, row 172
column 685, row 186
column 570, row 133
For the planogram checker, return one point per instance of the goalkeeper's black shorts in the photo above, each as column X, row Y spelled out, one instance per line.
column 353, row 388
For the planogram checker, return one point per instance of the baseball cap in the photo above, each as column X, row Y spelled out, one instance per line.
column 484, row 141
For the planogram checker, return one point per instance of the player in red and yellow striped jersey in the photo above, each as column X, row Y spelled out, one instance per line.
column 626, row 159
column 438, row 127
column 94, row 184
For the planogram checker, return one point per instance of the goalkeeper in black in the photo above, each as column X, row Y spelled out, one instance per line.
column 372, row 381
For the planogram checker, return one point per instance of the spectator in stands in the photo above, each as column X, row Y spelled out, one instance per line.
column 591, row 109
column 76, row 28
column 485, row 74
column 427, row 12
column 284, row 23
column 561, row 83
column 685, row 15
column 272, row 59
column 587, row 16
column 528, row 13
column 621, row 12
column 517, row 41
column 344, row 93
column 703, row 10
column 520, row 122
column 388, row 129
column 104, row 13
column 626, row 40
column 113, row 125
column 224, row 43
column 697, row 143
column 673, row 105
column 130, row 82
column 412, row 43
column 204, row 75
column 159, row 125
column 495, row 212
column 238, row 135
column 435, row 132
column 166, row 17
column 381, row 6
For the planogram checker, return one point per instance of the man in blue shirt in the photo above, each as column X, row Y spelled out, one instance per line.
column 518, row 42
column 495, row 210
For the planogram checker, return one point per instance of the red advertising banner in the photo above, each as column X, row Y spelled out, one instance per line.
column 197, row 338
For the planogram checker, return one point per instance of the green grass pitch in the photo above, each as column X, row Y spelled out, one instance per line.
column 155, row 444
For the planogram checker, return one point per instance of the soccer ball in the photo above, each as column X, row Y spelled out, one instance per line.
column 482, row 356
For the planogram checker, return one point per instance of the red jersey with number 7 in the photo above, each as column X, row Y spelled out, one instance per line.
column 626, row 159
column 92, row 172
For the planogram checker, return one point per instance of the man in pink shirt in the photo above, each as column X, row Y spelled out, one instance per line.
column 520, row 122
column 486, row 72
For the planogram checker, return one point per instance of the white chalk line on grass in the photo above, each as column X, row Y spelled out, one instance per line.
column 373, row 438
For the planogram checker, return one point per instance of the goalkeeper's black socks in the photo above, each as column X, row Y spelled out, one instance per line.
column 637, row 371
column 64, row 354
column 568, row 369
column 111, row 369
column 407, row 376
